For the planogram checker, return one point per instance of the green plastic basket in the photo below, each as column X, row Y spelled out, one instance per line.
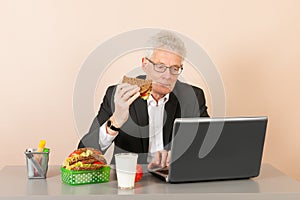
column 73, row 177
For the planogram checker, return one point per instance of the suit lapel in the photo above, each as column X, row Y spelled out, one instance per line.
column 139, row 114
column 169, row 116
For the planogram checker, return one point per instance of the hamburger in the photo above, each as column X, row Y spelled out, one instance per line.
column 85, row 159
column 145, row 85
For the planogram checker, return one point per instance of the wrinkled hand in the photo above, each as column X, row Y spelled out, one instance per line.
column 161, row 159
column 124, row 96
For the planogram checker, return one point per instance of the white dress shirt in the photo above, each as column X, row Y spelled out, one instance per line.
column 156, row 122
column 156, row 116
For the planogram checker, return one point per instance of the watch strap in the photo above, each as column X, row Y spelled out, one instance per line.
column 111, row 126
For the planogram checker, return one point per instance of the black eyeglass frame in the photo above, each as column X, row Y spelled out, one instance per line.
column 165, row 67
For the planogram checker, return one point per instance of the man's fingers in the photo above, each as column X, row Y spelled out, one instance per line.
column 134, row 97
column 157, row 157
column 168, row 158
column 126, row 91
column 121, row 87
column 156, row 161
column 164, row 155
column 151, row 165
column 161, row 159
column 130, row 93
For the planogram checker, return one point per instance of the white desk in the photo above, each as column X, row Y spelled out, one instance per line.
column 271, row 184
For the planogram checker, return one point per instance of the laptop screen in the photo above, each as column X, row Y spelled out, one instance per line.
column 216, row 148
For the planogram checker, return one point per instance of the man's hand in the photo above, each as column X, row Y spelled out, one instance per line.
column 124, row 96
column 161, row 159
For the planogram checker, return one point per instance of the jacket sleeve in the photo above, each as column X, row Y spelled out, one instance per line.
column 91, row 139
column 201, row 102
column 191, row 100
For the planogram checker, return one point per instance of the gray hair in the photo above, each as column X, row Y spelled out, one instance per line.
column 166, row 40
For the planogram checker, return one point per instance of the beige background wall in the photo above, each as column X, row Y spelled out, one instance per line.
column 255, row 45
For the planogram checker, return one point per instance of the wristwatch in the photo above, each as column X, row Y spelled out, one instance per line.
column 111, row 126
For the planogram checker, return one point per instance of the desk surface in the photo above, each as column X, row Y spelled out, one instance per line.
column 271, row 184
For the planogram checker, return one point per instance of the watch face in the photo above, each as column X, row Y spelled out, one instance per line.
column 108, row 123
column 112, row 127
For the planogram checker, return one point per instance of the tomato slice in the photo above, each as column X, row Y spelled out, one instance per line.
column 98, row 163
column 76, row 152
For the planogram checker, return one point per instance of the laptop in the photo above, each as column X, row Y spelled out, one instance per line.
column 206, row 149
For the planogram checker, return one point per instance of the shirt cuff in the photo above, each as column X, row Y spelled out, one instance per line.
column 105, row 139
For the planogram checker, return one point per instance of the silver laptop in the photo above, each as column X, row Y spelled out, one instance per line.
column 205, row 149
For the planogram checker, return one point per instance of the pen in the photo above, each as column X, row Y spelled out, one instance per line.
column 35, row 164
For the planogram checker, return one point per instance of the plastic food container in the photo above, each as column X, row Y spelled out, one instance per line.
column 73, row 177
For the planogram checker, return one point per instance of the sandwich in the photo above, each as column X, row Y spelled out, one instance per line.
column 85, row 159
column 145, row 85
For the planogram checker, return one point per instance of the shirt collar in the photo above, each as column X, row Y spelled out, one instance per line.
column 151, row 101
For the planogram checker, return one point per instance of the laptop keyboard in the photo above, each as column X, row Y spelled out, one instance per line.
column 163, row 171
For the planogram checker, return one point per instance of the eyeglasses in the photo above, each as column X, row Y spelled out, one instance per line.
column 174, row 69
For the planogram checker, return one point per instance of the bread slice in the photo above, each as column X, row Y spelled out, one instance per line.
column 145, row 85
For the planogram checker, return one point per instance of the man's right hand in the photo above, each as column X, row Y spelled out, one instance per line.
column 124, row 96
column 161, row 159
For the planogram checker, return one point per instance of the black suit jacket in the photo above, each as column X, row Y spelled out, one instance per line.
column 184, row 101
